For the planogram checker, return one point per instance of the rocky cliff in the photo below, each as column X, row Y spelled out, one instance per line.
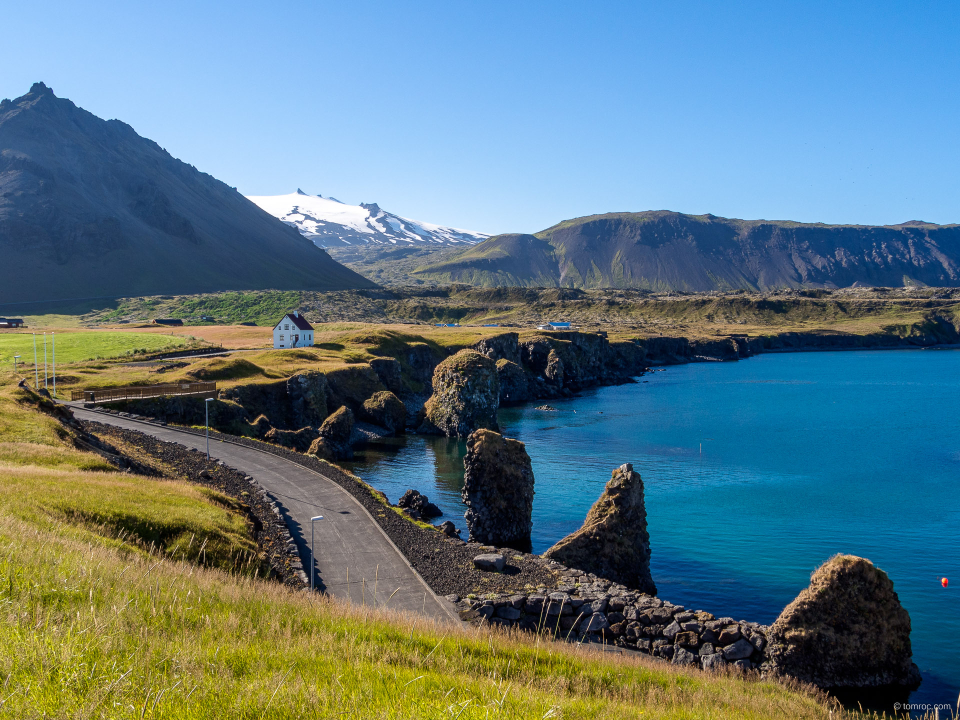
column 661, row 250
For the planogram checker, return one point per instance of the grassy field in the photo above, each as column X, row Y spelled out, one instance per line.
column 97, row 622
column 77, row 346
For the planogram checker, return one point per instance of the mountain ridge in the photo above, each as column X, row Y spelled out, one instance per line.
column 89, row 208
column 330, row 223
column 665, row 250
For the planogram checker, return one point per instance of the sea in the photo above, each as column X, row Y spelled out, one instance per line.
column 755, row 473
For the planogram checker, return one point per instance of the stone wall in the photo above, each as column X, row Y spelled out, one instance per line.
column 593, row 610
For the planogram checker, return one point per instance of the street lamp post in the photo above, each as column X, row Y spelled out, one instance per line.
column 312, row 563
column 206, row 406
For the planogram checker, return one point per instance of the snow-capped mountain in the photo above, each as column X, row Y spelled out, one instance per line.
column 331, row 223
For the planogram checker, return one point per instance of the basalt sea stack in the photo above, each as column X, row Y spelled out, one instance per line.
column 613, row 542
column 498, row 490
column 846, row 630
column 466, row 396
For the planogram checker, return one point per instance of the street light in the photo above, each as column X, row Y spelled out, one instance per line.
column 206, row 407
column 15, row 358
column 312, row 564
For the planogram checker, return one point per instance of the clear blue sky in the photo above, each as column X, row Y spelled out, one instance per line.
column 511, row 116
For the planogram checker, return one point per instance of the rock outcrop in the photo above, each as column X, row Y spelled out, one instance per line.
column 307, row 392
column 847, row 629
column 613, row 542
column 299, row 440
column 418, row 506
column 333, row 442
column 498, row 491
column 386, row 410
column 514, row 386
column 466, row 396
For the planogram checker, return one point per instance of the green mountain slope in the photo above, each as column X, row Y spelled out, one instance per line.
column 661, row 250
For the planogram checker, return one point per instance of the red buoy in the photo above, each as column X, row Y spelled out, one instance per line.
column 944, row 582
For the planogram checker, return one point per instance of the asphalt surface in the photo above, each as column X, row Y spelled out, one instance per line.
column 354, row 558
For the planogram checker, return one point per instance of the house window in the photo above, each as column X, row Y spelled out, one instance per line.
column 281, row 337
column 286, row 327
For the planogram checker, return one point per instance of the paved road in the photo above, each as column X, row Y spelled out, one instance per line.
column 355, row 559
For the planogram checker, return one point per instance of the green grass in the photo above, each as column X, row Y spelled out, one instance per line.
column 79, row 346
column 262, row 307
column 105, row 615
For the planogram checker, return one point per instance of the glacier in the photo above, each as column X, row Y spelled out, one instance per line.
column 330, row 223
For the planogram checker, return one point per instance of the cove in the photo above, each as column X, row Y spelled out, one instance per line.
column 756, row 472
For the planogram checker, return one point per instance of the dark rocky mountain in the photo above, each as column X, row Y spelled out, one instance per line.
column 88, row 208
column 663, row 250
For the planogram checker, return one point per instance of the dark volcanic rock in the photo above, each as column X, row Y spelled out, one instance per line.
column 307, row 392
column 418, row 505
column 386, row 410
column 514, row 385
column 498, row 491
column 89, row 208
column 333, row 442
column 389, row 371
column 847, row 629
column 466, row 396
column 500, row 347
column 613, row 542
column 299, row 440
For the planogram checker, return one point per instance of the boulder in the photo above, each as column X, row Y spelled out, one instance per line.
column 449, row 529
column 713, row 662
column 846, row 629
column 613, row 542
column 498, row 491
column 418, row 505
column 490, row 562
column 740, row 650
column 386, row 410
column 514, row 384
column 466, row 396
column 333, row 441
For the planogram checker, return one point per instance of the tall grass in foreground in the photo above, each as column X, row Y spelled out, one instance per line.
column 86, row 632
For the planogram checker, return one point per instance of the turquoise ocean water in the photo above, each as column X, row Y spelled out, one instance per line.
column 755, row 473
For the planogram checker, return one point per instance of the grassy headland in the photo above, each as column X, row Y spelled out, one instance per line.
column 102, row 619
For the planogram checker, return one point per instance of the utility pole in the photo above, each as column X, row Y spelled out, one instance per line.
column 46, row 375
column 54, row 364
column 36, row 375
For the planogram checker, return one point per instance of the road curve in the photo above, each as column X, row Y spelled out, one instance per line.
column 354, row 560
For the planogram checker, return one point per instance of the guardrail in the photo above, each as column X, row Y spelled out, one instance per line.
column 145, row 391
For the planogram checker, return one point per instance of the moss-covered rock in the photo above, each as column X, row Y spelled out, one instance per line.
column 846, row 629
column 352, row 385
column 466, row 396
column 613, row 541
column 386, row 410
column 498, row 490
column 333, row 441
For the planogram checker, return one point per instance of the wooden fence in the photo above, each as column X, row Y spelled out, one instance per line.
column 146, row 391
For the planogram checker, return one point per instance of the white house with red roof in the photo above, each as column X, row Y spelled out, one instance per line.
column 293, row 331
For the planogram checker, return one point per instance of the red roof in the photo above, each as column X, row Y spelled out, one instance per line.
column 299, row 320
